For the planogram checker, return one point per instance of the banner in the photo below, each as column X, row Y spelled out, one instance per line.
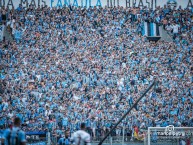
column 87, row 3
column 151, row 29
column 38, row 143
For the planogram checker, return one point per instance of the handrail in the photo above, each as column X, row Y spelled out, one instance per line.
column 134, row 105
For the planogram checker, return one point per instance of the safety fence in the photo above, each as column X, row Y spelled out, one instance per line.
column 50, row 139
column 37, row 138
column 120, row 136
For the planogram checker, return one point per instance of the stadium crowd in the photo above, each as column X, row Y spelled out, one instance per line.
column 71, row 65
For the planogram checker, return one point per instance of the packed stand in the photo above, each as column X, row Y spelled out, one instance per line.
column 73, row 65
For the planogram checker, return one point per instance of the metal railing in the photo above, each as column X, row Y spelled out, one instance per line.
column 120, row 135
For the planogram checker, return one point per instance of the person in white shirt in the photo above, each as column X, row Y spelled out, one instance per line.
column 175, row 28
column 10, row 114
column 81, row 137
column 48, row 112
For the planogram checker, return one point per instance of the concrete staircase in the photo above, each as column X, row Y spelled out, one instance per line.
column 164, row 35
column 7, row 34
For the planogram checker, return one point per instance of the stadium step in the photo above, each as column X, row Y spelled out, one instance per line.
column 7, row 35
column 164, row 35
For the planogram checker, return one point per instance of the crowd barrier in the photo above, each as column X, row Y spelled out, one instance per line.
column 124, row 136
column 110, row 140
column 36, row 137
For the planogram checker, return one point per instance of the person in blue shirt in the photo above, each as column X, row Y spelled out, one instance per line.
column 20, row 8
column 1, row 134
column 15, row 136
column 65, row 140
